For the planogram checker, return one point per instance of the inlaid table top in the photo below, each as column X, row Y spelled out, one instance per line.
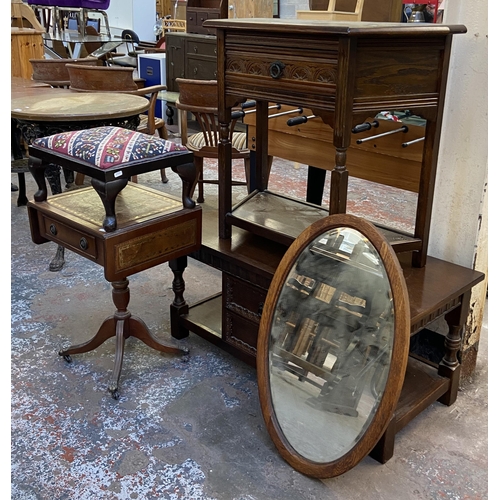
column 70, row 106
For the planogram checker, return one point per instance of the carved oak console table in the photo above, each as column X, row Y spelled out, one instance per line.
column 344, row 73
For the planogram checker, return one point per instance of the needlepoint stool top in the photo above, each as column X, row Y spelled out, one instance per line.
column 106, row 147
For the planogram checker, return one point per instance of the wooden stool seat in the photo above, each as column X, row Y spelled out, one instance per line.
column 110, row 156
column 153, row 228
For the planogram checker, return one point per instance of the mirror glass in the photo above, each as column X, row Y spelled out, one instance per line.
column 330, row 344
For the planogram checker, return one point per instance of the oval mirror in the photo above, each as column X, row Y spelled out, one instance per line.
column 333, row 345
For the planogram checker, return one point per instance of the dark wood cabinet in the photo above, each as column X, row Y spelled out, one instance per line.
column 198, row 11
column 190, row 56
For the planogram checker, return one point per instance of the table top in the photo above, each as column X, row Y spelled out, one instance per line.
column 63, row 106
column 346, row 28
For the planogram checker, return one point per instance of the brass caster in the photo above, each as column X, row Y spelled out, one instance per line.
column 66, row 357
column 114, row 392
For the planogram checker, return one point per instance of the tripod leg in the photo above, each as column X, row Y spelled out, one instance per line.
column 138, row 329
column 120, row 343
column 106, row 331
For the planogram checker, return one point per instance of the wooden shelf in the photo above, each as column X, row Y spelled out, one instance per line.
column 205, row 318
column 423, row 385
column 282, row 219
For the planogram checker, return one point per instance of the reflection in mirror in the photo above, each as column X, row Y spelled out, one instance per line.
column 330, row 345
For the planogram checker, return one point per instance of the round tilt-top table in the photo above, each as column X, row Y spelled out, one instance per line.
column 67, row 110
column 48, row 113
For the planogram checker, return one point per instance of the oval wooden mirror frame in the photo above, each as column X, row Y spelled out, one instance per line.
column 398, row 360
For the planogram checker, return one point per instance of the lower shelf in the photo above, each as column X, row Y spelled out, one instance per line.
column 282, row 219
column 422, row 386
column 205, row 320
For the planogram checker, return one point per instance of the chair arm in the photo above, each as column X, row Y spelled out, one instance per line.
column 154, row 89
column 155, row 50
column 153, row 92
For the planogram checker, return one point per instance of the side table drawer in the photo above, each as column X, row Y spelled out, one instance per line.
column 68, row 236
column 153, row 228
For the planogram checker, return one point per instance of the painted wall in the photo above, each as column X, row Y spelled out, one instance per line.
column 135, row 15
column 459, row 231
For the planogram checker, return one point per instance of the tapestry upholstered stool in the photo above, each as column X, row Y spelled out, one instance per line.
column 110, row 156
column 143, row 228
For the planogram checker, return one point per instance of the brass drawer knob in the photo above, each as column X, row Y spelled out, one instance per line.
column 53, row 229
column 84, row 244
column 276, row 69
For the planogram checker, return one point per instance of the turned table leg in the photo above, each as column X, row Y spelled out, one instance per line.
column 179, row 305
column 450, row 366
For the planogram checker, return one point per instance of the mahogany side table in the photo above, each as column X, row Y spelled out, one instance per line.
column 153, row 228
column 142, row 227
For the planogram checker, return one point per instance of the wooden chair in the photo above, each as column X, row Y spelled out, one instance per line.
column 348, row 10
column 199, row 97
column 54, row 71
column 23, row 16
column 119, row 79
column 170, row 25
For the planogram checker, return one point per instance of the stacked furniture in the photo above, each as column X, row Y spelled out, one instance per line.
column 198, row 11
column 52, row 11
column 123, row 227
column 193, row 55
column 190, row 56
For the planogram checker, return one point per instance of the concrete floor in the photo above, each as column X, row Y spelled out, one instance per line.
column 187, row 430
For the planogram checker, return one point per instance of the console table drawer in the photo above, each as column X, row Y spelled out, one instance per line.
column 242, row 298
column 283, row 68
column 240, row 333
